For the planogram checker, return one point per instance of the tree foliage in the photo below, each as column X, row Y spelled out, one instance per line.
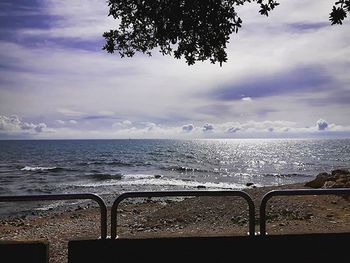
column 196, row 30
column 339, row 12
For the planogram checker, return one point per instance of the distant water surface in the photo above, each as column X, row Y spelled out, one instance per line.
column 115, row 166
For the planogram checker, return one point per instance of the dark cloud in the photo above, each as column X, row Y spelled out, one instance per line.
column 40, row 127
column 99, row 117
column 322, row 125
column 208, row 127
column 19, row 14
column 297, row 80
column 187, row 128
column 233, row 129
column 308, row 26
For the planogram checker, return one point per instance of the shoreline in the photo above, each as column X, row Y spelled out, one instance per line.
column 191, row 216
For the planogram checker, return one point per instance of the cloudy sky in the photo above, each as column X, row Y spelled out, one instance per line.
column 287, row 76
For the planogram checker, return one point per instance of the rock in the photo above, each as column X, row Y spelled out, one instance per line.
column 342, row 180
column 319, row 181
column 339, row 178
column 249, row 184
column 135, row 211
column 309, row 215
column 329, row 184
column 201, row 187
column 341, row 171
column 157, row 176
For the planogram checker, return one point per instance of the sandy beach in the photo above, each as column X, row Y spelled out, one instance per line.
column 191, row 216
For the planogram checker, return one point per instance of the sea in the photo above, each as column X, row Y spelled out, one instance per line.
column 111, row 167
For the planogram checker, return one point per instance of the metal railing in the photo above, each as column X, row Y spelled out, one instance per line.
column 56, row 197
column 126, row 195
column 293, row 192
column 120, row 198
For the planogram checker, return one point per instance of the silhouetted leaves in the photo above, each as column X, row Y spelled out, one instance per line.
column 196, row 30
column 266, row 8
column 339, row 12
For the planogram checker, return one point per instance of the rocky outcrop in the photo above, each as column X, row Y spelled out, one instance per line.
column 339, row 178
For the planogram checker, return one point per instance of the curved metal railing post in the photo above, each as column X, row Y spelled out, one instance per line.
column 126, row 195
column 290, row 192
column 56, row 197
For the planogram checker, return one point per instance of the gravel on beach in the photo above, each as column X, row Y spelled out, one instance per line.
column 189, row 217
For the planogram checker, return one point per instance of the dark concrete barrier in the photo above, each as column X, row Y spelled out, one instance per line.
column 310, row 248
column 24, row 251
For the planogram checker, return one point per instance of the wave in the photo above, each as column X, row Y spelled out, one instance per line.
column 184, row 169
column 285, row 175
column 41, row 169
column 142, row 176
column 95, row 174
column 37, row 190
column 117, row 163
column 158, row 180
column 105, row 176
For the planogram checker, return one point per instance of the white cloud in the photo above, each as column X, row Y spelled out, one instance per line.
column 127, row 122
column 10, row 123
column 61, row 122
column 338, row 128
column 122, row 125
column 76, row 19
column 247, row 99
column 13, row 126
column 256, row 126
column 69, row 112
column 150, row 126
column 126, row 129
column 72, row 122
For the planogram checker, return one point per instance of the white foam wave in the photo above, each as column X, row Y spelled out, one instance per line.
column 161, row 181
column 55, row 205
column 37, row 168
column 140, row 176
column 50, row 206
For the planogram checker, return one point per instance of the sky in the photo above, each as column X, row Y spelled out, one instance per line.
column 287, row 76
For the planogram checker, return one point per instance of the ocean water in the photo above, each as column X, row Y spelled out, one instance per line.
column 115, row 166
